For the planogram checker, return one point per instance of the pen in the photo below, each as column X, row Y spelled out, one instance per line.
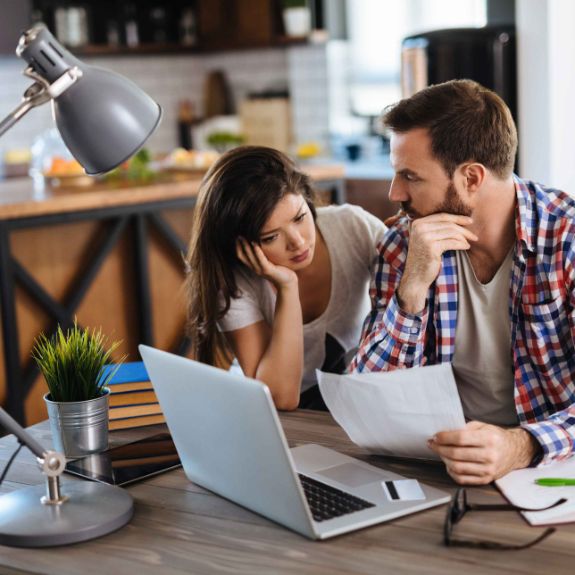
column 555, row 481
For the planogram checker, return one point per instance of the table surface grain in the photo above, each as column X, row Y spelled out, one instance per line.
column 178, row 527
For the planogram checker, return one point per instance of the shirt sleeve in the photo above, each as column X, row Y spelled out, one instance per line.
column 391, row 338
column 376, row 229
column 244, row 310
column 556, row 434
column 368, row 229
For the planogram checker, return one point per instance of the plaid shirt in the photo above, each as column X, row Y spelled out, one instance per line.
column 541, row 308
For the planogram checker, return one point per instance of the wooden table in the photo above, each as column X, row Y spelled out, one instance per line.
column 179, row 528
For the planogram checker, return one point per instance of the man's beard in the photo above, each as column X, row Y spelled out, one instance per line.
column 452, row 204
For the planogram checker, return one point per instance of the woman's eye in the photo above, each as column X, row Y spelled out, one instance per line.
column 267, row 240
column 301, row 217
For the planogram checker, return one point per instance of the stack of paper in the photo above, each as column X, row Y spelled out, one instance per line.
column 394, row 413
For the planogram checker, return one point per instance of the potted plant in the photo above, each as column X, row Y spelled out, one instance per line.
column 73, row 366
column 296, row 17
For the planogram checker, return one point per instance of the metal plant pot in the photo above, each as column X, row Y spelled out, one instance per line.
column 79, row 428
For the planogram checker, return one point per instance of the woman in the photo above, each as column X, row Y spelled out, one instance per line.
column 281, row 285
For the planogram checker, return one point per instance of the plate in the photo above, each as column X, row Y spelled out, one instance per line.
column 70, row 180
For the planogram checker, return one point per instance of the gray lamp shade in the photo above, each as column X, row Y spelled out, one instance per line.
column 103, row 117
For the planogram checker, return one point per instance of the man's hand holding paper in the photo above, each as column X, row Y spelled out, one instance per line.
column 480, row 453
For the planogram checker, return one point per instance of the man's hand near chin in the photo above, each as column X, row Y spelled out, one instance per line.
column 480, row 453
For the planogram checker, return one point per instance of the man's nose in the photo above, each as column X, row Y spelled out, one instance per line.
column 397, row 191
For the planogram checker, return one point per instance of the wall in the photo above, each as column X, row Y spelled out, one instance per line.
column 170, row 79
column 546, row 83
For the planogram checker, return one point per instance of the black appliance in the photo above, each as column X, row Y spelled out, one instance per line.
column 486, row 55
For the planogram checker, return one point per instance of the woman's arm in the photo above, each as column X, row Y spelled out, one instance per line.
column 273, row 354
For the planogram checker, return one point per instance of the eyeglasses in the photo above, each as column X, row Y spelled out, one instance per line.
column 459, row 506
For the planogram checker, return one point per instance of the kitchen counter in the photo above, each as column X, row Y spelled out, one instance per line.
column 19, row 198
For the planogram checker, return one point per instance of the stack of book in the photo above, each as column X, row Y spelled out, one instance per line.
column 133, row 402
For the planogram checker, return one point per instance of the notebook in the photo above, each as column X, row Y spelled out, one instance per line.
column 520, row 489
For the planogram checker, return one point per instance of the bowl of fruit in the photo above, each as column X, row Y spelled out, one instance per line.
column 66, row 172
column 180, row 160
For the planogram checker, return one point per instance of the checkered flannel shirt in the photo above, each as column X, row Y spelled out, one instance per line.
column 541, row 308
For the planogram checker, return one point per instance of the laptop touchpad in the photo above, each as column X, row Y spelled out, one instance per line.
column 352, row 475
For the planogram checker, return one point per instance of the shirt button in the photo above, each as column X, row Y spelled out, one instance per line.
column 414, row 330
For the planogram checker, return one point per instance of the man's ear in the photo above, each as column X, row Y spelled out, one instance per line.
column 473, row 176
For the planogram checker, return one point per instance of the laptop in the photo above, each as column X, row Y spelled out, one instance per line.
column 230, row 441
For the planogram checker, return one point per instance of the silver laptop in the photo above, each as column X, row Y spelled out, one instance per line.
column 230, row 441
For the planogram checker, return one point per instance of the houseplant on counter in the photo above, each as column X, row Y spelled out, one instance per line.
column 72, row 363
column 297, row 17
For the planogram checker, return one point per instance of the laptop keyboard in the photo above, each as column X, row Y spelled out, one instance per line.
column 327, row 502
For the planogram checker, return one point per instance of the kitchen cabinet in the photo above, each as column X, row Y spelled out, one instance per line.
column 106, row 27
column 372, row 196
column 225, row 24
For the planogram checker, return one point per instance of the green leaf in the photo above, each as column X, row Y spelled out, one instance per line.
column 73, row 362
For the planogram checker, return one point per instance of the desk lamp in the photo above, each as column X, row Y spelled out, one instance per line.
column 103, row 119
column 44, row 516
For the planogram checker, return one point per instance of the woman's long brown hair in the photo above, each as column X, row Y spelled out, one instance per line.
column 236, row 198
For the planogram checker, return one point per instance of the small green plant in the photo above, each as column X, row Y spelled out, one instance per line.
column 223, row 141
column 136, row 169
column 294, row 3
column 73, row 362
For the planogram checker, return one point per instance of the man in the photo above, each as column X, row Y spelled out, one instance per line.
column 479, row 272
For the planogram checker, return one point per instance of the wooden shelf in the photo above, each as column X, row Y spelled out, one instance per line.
column 140, row 50
column 155, row 49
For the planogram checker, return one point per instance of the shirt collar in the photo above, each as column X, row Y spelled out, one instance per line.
column 526, row 214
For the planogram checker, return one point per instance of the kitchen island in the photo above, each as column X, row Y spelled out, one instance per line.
column 110, row 256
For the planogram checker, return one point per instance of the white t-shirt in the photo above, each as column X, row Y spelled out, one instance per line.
column 351, row 235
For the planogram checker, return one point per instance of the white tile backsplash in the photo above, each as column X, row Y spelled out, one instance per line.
column 309, row 93
column 172, row 78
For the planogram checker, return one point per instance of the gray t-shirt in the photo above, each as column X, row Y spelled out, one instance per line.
column 482, row 361
column 351, row 235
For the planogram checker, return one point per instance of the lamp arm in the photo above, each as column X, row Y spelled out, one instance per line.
column 15, row 116
column 39, row 93
column 11, row 425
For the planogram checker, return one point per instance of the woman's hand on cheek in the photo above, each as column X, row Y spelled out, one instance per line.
column 252, row 255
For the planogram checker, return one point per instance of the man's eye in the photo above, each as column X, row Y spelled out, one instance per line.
column 410, row 177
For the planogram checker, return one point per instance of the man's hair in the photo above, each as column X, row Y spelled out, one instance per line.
column 466, row 123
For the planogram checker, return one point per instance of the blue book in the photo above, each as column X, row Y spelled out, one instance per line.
column 128, row 372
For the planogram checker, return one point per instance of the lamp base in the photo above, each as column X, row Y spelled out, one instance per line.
column 92, row 510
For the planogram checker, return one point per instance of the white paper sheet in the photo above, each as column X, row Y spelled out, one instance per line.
column 394, row 413
column 520, row 488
